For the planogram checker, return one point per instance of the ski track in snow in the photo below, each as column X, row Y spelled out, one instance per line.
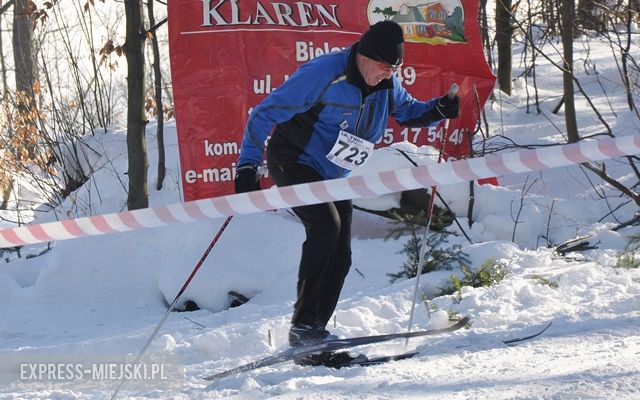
column 591, row 350
column 573, row 359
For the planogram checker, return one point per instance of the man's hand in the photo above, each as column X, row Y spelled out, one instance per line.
column 448, row 106
column 247, row 179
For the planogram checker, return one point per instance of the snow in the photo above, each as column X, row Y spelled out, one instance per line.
column 101, row 297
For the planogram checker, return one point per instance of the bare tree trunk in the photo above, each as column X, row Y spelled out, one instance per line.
column 138, row 196
column 530, row 71
column 504, row 32
column 484, row 31
column 157, row 84
column 589, row 16
column 3, row 69
column 567, row 11
column 634, row 6
column 625, row 61
column 549, row 16
column 24, row 75
column 22, row 47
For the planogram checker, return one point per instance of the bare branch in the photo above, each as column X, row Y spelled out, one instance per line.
column 6, row 6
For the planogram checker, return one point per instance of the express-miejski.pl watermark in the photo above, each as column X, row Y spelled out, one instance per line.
column 91, row 371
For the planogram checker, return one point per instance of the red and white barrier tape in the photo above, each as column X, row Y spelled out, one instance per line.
column 319, row 192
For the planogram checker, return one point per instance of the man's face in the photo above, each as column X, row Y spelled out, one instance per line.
column 374, row 71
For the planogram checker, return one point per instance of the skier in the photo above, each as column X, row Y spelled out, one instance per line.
column 323, row 122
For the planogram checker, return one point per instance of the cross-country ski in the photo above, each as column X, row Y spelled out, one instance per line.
column 331, row 346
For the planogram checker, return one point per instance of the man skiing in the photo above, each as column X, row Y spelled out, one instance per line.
column 323, row 122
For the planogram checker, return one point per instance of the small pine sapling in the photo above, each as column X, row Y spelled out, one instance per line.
column 490, row 273
column 627, row 259
column 438, row 255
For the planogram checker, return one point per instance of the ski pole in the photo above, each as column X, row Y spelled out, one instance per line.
column 455, row 219
column 175, row 300
column 452, row 92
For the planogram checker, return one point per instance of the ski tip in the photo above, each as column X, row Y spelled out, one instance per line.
column 518, row 340
column 216, row 376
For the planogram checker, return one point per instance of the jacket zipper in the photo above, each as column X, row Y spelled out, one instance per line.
column 356, row 127
column 359, row 116
column 367, row 125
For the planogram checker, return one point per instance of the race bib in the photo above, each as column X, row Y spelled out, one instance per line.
column 350, row 151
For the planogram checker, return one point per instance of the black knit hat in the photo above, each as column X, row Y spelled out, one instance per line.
column 383, row 42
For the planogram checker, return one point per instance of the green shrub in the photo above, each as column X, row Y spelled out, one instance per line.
column 490, row 273
column 438, row 255
column 544, row 281
column 627, row 259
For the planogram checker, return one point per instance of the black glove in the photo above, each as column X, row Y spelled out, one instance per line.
column 247, row 179
column 448, row 107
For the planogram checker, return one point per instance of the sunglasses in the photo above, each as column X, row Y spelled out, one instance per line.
column 387, row 67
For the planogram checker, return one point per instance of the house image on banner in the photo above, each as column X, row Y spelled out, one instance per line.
column 429, row 21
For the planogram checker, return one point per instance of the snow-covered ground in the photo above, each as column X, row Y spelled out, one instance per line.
column 97, row 299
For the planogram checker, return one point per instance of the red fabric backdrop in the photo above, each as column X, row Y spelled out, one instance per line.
column 226, row 55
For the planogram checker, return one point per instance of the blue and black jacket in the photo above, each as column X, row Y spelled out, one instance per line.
column 324, row 96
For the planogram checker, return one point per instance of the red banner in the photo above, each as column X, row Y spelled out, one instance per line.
column 226, row 55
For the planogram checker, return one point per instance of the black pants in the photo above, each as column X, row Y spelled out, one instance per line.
column 326, row 252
